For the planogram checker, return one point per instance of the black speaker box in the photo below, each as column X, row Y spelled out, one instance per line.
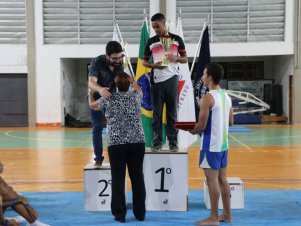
column 272, row 95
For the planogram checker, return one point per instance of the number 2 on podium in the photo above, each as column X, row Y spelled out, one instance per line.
column 163, row 171
column 101, row 194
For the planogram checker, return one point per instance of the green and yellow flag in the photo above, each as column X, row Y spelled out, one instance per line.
column 143, row 79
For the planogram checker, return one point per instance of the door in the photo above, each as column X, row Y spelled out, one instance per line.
column 13, row 100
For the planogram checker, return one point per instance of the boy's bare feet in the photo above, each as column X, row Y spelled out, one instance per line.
column 208, row 222
column 224, row 218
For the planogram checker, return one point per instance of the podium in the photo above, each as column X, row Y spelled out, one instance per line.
column 97, row 188
column 236, row 190
column 166, row 180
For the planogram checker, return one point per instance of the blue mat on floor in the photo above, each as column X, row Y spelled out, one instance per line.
column 262, row 207
column 247, row 119
column 239, row 129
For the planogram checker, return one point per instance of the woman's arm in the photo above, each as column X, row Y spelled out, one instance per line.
column 93, row 104
column 137, row 87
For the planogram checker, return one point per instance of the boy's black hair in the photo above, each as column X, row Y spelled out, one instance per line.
column 216, row 71
column 158, row 16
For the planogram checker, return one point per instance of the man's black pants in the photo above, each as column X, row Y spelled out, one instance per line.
column 165, row 92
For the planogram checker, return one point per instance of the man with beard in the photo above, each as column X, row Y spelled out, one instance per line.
column 102, row 72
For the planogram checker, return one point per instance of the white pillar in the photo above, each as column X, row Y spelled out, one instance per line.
column 154, row 8
column 297, row 66
column 171, row 14
column 31, row 66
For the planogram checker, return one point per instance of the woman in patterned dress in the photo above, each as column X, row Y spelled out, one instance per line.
column 126, row 144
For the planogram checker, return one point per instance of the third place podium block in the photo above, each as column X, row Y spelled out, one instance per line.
column 237, row 194
column 166, row 180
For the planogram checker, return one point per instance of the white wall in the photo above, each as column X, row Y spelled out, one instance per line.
column 13, row 59
column 48, row 90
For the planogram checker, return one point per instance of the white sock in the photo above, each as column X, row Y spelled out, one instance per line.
column 19, row 219
column 37, row 223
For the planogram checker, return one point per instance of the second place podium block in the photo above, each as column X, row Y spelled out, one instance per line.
column 97, row 187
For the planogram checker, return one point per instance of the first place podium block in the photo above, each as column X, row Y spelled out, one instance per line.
column 97, row 187
column 237, row 194
column 166, row 180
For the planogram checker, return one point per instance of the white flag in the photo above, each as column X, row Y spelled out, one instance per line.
column 186, row 109
column 116, row 37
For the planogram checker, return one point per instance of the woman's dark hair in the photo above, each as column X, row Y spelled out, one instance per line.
column 123, row 81
column 158, row 16
column 216, row 71
column 113, row 47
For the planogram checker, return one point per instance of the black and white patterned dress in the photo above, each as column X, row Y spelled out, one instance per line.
column 123, row 113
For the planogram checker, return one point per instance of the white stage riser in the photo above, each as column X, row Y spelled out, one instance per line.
column 97, row 188
column 237, row 194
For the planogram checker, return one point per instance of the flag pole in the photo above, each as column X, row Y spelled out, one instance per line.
column 124, row 49
column 180, row 13
column 145, row 18
column 199, row 45
column 179, row 16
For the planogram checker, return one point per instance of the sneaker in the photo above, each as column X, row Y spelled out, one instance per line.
column 37, row 223
column 156, row 148
column 173, row 148
column 98, row 163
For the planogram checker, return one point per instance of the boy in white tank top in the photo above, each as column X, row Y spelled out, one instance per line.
column 215, row 116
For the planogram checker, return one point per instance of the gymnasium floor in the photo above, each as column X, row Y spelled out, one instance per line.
column 266, row 157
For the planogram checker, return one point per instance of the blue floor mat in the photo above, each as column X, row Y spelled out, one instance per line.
column 262, row 207
column 239, row 129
